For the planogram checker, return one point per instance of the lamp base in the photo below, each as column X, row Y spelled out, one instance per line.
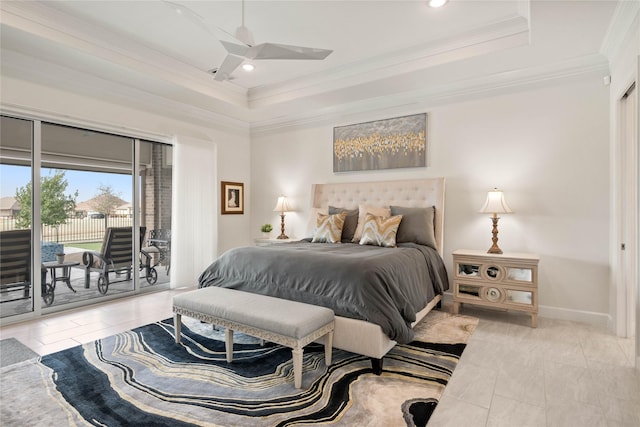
column 282, row 235
column 494, row 250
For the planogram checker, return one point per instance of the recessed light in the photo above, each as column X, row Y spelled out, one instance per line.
column 248, row 67
column 437, row 3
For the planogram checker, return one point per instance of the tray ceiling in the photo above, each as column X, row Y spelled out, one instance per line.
column 389, row 50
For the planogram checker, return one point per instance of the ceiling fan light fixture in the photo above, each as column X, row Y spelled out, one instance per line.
column 248, row 67
column 437, row 3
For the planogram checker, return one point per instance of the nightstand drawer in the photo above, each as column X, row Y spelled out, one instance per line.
column 492, row 295
column 505, row 281
column 471, row 269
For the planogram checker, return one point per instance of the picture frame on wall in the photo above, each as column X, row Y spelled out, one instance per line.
column 399, row 142
column 232, row 195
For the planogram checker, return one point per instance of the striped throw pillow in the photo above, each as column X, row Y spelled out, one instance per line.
column 364, row 210
column 380, row 231
column 329, row 228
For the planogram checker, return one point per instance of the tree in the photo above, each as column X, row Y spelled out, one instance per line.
column 55, row 206
column 106, row 200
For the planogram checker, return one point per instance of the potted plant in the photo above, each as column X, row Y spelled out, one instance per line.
column 266, row 229
column 60, row 257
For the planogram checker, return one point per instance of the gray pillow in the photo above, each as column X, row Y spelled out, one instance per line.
column 417, row 225
column 350, row 222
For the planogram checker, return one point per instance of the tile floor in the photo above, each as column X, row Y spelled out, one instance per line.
column 63, row 295
column 63, row 330
column 559, row 374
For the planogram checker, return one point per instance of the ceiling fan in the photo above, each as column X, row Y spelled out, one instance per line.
column 243, row 46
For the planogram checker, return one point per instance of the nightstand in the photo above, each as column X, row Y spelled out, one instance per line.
column 263, row 241
column 506, row 281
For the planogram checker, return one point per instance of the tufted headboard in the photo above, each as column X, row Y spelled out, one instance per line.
column 419, row 193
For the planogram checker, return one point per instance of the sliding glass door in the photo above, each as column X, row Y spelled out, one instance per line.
column 16, row 278
column 103, row 210
column 87, row 214
column 155, row 169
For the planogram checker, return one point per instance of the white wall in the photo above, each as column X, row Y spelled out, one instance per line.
column 204, row 155
column 546, row 148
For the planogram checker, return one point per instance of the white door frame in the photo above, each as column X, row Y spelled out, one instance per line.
column 627, row 212
column 637, row 219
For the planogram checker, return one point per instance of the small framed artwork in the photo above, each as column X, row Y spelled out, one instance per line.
column 232, row 198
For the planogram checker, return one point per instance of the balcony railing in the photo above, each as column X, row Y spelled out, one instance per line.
column 76, row 229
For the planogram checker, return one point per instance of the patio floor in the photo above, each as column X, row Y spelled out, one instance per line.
column 63, row 295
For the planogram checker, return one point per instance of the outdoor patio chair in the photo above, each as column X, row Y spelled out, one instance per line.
column 15, row 267
column 115, row 257
column 15, row 263
column 159, row 242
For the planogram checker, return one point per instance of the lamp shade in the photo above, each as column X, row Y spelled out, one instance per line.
column 282, row 205
column 495, row 203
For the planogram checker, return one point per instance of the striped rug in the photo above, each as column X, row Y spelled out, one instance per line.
column 141, row 377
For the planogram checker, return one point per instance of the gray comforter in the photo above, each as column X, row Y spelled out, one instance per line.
column 386, row 286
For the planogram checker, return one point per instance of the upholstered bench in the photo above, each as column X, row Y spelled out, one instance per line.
column 289, row 323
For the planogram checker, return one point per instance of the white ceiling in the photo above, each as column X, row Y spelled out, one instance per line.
column 385, row 52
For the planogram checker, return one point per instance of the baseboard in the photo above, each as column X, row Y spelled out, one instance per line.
column 600, row 320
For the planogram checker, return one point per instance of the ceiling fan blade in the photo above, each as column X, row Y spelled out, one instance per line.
column 240, row 45
column 233, row 37
column 230, row 63
column 285, row 51
column 234, row 48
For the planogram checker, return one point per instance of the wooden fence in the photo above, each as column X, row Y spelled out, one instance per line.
column 76, row 229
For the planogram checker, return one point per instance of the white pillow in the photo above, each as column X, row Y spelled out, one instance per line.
column 364, row 210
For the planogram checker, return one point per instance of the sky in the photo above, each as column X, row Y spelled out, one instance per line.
column 13, row 177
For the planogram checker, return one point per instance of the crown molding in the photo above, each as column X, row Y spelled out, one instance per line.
column 83, row 47
column 504, row 34
column 31, row 113
column 29, row 69
column 499, row 83
column 39, row 20
column 622, row 22
column 175, row 90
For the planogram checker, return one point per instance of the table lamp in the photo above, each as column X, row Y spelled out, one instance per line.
column 495, row 204
column 282, row 206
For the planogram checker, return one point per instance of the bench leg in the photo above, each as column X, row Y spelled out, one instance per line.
column 328, row 344
column 177, row 323
column 297, row 366
column 228, row 344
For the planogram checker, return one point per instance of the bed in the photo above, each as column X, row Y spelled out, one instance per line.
column 269, row 270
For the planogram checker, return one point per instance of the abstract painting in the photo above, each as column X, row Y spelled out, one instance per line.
column 400, row 142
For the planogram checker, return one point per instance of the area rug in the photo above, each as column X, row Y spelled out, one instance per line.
column 142, row 377
column 13, row 351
